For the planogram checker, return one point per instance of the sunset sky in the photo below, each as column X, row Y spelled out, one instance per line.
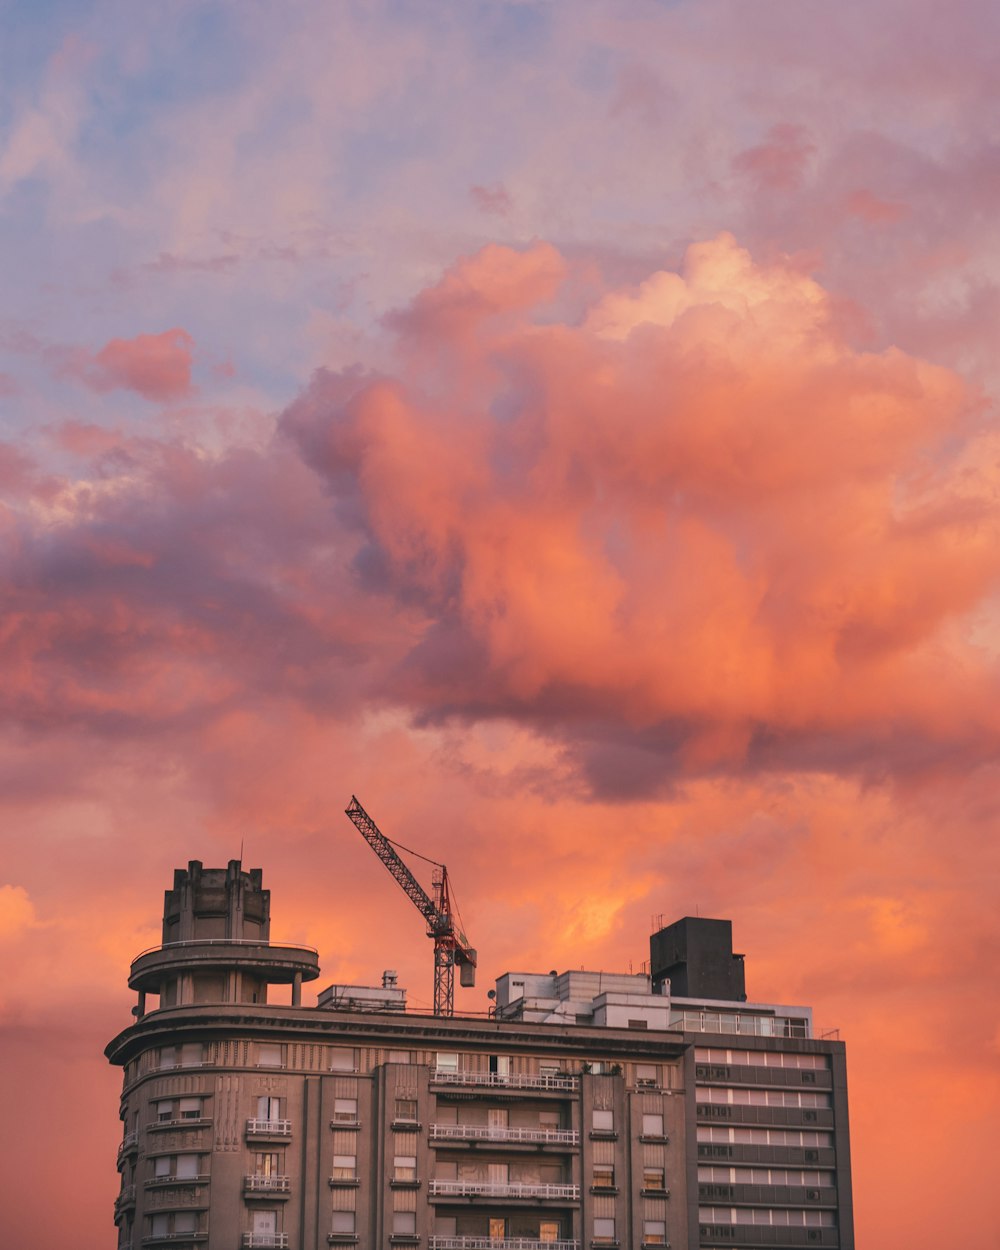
column 569, row 426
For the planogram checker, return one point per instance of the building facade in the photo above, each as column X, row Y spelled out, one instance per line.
column 585, row 1110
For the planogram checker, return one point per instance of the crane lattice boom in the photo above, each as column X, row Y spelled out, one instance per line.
column 450, row 944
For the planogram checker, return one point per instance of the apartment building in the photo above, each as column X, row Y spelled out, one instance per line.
column 584, row 1109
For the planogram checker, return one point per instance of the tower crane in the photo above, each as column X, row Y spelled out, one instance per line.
column 451, row 946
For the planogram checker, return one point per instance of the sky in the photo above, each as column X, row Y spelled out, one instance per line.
column 571, row 427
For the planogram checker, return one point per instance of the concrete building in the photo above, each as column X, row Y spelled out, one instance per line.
column 585, row 1110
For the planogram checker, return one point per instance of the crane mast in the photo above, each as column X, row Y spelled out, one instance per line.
column 450, row 944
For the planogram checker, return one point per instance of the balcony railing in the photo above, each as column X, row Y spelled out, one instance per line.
column 275, row 946
column 507, row 1080
column 265, row 1241
column 485, row 1132
column 501, row 1189
column 270, row 1128
column 188, row 1121
column 129, row 1142
column 499, row 1243
column 266, row 1184
column 154, row 1181
column 166, row 1239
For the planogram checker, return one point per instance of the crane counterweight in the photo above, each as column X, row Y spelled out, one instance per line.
column 450, row 943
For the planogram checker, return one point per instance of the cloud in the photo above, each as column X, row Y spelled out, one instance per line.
column 17, row 913
column 779, row 163
column 693, row 526
column 155, row 366
column 495, row 199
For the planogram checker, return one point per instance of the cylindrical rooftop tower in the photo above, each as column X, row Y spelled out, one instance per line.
column 216, row 943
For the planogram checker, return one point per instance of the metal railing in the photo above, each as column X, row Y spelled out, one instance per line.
column 129, row 1142
column 194, row 1121
column 156, row 1239
column 502, row 1189
column 277, row 946
column 260, row 1184
column 507, row 1080
column 154, row 1181
column 265, row 1241
column 273, row 1128
column 486, row 1132
column 499, row 1243
column 126, row 1196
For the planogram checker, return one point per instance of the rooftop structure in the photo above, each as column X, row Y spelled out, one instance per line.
column 586, row 1109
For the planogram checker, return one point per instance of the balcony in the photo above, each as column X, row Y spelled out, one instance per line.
column 498, row 1243
column 282, row 961
column 129, row 1145
column 507, row 1080
column 269, row 1128
column 501, row 1189
column 485, row 1132
column 265, row 1241
column 266, row 1186
column 158, row 1182
column 125, row 1199
column 193, row 1121
column 173, row 1239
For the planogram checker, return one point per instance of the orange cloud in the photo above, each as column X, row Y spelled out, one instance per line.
column 696, row 516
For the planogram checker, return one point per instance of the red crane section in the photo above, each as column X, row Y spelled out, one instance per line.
column 451, row 946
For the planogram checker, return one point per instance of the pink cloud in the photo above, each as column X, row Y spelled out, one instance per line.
column 778, row 164
column 495, row 200
column 156, row 366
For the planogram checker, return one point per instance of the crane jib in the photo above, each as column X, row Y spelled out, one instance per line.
column 451, row 947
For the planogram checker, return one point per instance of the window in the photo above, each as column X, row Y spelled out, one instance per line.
column 190, row 1054
column 646, row 1074
column 266, row 1164
column 187, row 1167
column 168, row 1056
column 652, row 1126
column 343, row 1222
column 404, row 1223
column 406, row 1109
column 604, row 1176
column 190, row 1109
column 548, row 1119
column 342, row 1060
column 604, row 1121
column 447, row 1061
column 345, row 1167
column 399, row 1056
column 268, row 1108
column 161, row 1166
column 500, row 1065
column 345, row 1110
column 548, row 1230
column 653, row 1178
column 270, row 1055
column 654, row 1233
column 604, row 1232
column 186, row 1222
column 404, row 1168
column 164, row 1111
column 159, row 1225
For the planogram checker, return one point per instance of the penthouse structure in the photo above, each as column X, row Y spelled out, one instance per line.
column 586, row 1109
